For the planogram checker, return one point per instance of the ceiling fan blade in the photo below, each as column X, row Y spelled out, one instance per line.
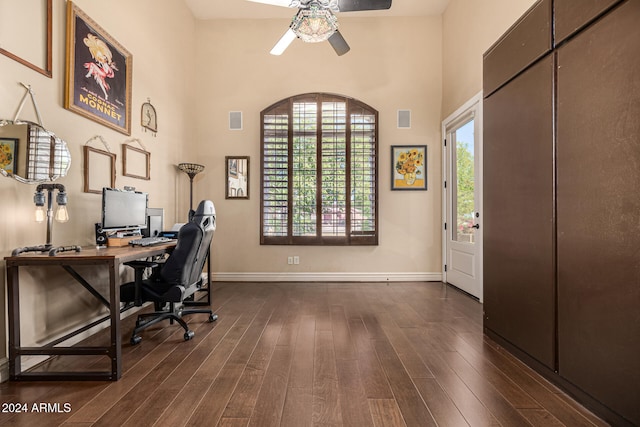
column 284, row 42
column 338, row 43
column 354, row 5
column 284, row 3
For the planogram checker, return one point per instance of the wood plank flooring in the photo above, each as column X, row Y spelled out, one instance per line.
column 310, row 354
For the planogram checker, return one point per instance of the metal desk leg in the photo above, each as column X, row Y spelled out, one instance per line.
column 115, row 352
column 13, row 303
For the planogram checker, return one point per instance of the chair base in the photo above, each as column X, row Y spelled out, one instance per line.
column 171, row 315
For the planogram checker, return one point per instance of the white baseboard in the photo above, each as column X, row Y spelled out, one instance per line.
column 326, row 277
column 4, row 369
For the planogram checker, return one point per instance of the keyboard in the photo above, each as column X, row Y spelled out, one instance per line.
column 149, row 241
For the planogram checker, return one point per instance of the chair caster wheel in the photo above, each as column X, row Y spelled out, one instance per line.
column 213, row 317
column 136, row 340
column 188, row 335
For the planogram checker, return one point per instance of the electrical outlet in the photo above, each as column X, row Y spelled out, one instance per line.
column 290, row 260
column 296, row 260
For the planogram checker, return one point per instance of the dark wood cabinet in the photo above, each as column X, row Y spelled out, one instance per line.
column 562, row 206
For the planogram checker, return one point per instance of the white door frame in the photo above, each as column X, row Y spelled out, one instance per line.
column 475, row 103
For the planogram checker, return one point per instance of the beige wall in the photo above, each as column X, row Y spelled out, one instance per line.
column 470, row 27
column 162, row 42
column 395, row 63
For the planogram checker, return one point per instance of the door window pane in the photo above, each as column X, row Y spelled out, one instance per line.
column 464, row 205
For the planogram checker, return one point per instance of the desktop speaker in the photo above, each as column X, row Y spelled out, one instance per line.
column 101, row 235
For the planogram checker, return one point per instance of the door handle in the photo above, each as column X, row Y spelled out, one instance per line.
column 476, row 226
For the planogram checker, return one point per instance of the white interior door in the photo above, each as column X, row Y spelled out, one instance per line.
column 462, row 242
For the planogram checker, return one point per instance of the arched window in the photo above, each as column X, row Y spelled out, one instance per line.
column 319, row 181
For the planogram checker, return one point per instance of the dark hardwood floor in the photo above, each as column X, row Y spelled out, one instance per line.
column 311, row 354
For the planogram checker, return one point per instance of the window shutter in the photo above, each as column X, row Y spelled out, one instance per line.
column 319, row 172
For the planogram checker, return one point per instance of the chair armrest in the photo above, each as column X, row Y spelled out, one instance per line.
column 141, row 264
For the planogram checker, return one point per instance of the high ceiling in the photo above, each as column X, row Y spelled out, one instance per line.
column 244, row 9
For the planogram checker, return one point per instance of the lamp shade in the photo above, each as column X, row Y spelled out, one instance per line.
column 191, row 169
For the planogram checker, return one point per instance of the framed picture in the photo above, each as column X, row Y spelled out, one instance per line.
column 136, row 162
column 98, row 73
column 409, row 167
column 99, row 170
column 26, row 36
column 8, row 154
column 237, row 168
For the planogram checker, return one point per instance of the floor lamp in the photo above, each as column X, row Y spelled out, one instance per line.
column 191, row 169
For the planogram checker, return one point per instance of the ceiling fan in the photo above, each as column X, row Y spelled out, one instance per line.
column 316, row 22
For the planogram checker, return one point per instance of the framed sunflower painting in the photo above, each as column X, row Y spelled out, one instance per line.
column 409, row 167
column 8, row 153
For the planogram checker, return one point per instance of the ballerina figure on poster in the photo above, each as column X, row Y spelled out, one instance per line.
column 103, row 67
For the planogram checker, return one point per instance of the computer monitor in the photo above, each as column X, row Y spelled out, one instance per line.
column 123, row 210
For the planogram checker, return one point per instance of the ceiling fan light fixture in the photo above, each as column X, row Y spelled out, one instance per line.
column 314, row 24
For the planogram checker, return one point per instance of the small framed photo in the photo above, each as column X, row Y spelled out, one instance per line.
column 8, row 154
column 136, row 162
column 237, row 168
column 99, row 170
column 409, row 167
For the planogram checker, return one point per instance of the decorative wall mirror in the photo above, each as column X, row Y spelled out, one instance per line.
column 136, row 162
column 30, row 153
column 26, row 37
column 237, row 168
column 99, row 170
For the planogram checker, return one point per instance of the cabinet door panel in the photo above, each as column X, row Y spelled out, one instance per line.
column 519, row 286
column 526, row 41
column 598, row 209
column 571, row 15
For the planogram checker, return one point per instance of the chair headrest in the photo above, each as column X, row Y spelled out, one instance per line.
column 205, row 208
column 205, row 215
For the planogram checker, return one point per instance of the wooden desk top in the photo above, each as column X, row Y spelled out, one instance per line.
column 91, row 255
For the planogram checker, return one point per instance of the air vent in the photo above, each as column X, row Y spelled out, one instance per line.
column 404, row 119
column 235, row 120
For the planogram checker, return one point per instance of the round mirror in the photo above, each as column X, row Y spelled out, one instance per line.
column 30, row 153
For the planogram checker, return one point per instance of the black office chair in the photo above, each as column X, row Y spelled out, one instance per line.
column 177, row 278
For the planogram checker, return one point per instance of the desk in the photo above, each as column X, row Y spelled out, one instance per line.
column 111, row 258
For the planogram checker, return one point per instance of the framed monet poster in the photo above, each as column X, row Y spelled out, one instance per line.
column 98, row 73
column 409, row 167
